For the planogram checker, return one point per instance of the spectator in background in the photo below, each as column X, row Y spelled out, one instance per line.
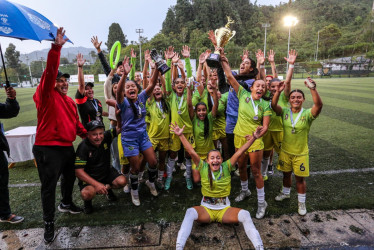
column 8, row 109
column 58, row 125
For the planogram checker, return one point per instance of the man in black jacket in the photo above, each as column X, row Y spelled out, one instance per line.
column 8, row 109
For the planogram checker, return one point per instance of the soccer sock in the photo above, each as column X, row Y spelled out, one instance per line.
column 188, row 168
column 286, row 190
column 170, row 167
column 134, row 181
column 244, row 185
column 140, row 175
column 250, row 230
column 152, row 173
column 261, row 195
column 264, row 166
column 160, row 175
column 301, row 197
column 186, row 227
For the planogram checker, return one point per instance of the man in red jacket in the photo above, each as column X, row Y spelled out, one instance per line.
column 58, row 125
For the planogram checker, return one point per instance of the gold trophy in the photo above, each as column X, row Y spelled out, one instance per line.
column 223, row 36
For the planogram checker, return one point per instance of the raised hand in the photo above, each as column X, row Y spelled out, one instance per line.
column 176, row 129
column 292, row 55
column 212, row 83
column 202, row 58
column 281, row 86
column 126, row 65
column 96, row 43
column 169, row 53
column 80, row 60
column 10, row 93
column 59, row 39
column 260, row 57
column 176, row 58
column 223, row 57
column 271, row 55
column 185, row 51
column 310, row 83
column 245, row 54
column 147, row 55
column 133, row 53
column 212, row 38
column 180, row 64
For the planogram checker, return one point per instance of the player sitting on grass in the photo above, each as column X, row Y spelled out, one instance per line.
column 215, row 178
column 92, row 165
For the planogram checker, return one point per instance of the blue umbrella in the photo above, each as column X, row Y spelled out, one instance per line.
column 21, row 22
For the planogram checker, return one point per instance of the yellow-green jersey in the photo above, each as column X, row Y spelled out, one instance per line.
column 276, row 123
column 220, row 121
column 221, row 181
column 196, row 97
column 203, row 145
column 179, row 111
column 158, row 120
column 296, row 142
column 248, row 120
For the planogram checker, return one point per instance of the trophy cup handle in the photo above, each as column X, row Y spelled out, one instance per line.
column 215, row 32
column 232, row 34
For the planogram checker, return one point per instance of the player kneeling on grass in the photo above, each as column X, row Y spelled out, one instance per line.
column 215, row 178
column 92, row 165
column 294, row 155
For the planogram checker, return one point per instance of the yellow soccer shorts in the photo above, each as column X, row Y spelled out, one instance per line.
column 175, row 142
column 218, row 134
column 273, row 139
column 160, row 144
column 239, row 141
column 216, row 215
column 299, row 164
column 122, row 159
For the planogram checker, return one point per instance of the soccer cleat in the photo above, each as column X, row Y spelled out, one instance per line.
column 126, row 189
column 182, row 166
column 49, row 231
column 261, row 209
column 281, row 196
column 301, row 208
column 135, row 197
column 237, row 173
column 88, row 209
column 189, row 183
column 160, row 184
column 242, row 195
column 71, row 208
column 270, row 169
column 168, row 182
column 152, row 187
column 111, row 196
column 265, row 177
column 13, row 219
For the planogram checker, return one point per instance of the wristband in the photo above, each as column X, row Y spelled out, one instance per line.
column 292, row 66
column 175, row 64
column 262, row 66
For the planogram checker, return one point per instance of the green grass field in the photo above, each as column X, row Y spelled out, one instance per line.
column 341, row 138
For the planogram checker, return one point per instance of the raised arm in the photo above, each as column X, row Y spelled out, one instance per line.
column 80, row 63
column 261, row 65
column 271, row 55
column 250, row 141
column 181, row 68
column 226, row 68
column 174, row 61
column 292, row 55
column 317, row 101
column 213, row 85
column 202, row 59
column 169, row 54
column 152, row 82
column 133, row 63
column 191, row 111
column 275, row 99
column 186, row 54
column 147, row 57
column 121, row 84
column 187, row 146
column 104, row 63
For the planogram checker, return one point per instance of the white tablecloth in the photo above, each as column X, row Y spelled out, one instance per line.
column 20, row 141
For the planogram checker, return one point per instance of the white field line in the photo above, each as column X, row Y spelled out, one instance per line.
column 330, row 172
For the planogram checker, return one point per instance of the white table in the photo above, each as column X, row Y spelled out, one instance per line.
column 21, row 141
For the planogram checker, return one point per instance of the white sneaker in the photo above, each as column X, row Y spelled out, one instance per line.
column 242, row 195
column 281, row 196
column 261, row 209
column 135, row 197
column 182, row 166
column 126, row 189
column 237, row 173
column 151, row 187
column 302, row 208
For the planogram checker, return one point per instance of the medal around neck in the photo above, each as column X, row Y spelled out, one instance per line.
column 223, row 36
column 160, row 63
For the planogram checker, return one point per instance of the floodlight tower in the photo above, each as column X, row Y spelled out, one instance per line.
column 289, row 21
column 139, row 31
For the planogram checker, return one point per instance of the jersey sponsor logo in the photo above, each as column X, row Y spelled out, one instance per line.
column 247, row 100
column 286, row 117
column 105, row 146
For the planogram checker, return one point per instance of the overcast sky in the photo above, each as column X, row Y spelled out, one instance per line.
column 84, row 18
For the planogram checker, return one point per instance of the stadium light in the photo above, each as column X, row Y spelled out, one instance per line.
column 289, row 21
column 139, row 31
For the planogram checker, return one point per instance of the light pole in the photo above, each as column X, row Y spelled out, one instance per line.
column 316, row 59
column 289, row 21
column 27, row 60
column 140, row 47
column 41, row 59
column 265, row 25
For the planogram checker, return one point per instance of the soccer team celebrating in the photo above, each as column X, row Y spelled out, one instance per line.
column 219, row 121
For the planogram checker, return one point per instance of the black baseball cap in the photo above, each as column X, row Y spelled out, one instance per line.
column 60, row 74
column 92, row 125
column 89, row 84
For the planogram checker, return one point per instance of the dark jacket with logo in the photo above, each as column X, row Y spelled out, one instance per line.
column 9, row 109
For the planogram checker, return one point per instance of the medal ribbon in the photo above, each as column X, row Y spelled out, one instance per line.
column 159, row 105
column 255, row 107
column 297, row 118
column 220, row 174
column 95, row 105
column 180, row 102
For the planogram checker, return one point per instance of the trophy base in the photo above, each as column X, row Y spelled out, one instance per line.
column 213, row 61
column 163, row 68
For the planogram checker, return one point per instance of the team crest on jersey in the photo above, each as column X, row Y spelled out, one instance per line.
column 141, row 105
column 286, row 117
column 247, row 100
column 131, row 148
column 303, row 119
column 105, row 146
